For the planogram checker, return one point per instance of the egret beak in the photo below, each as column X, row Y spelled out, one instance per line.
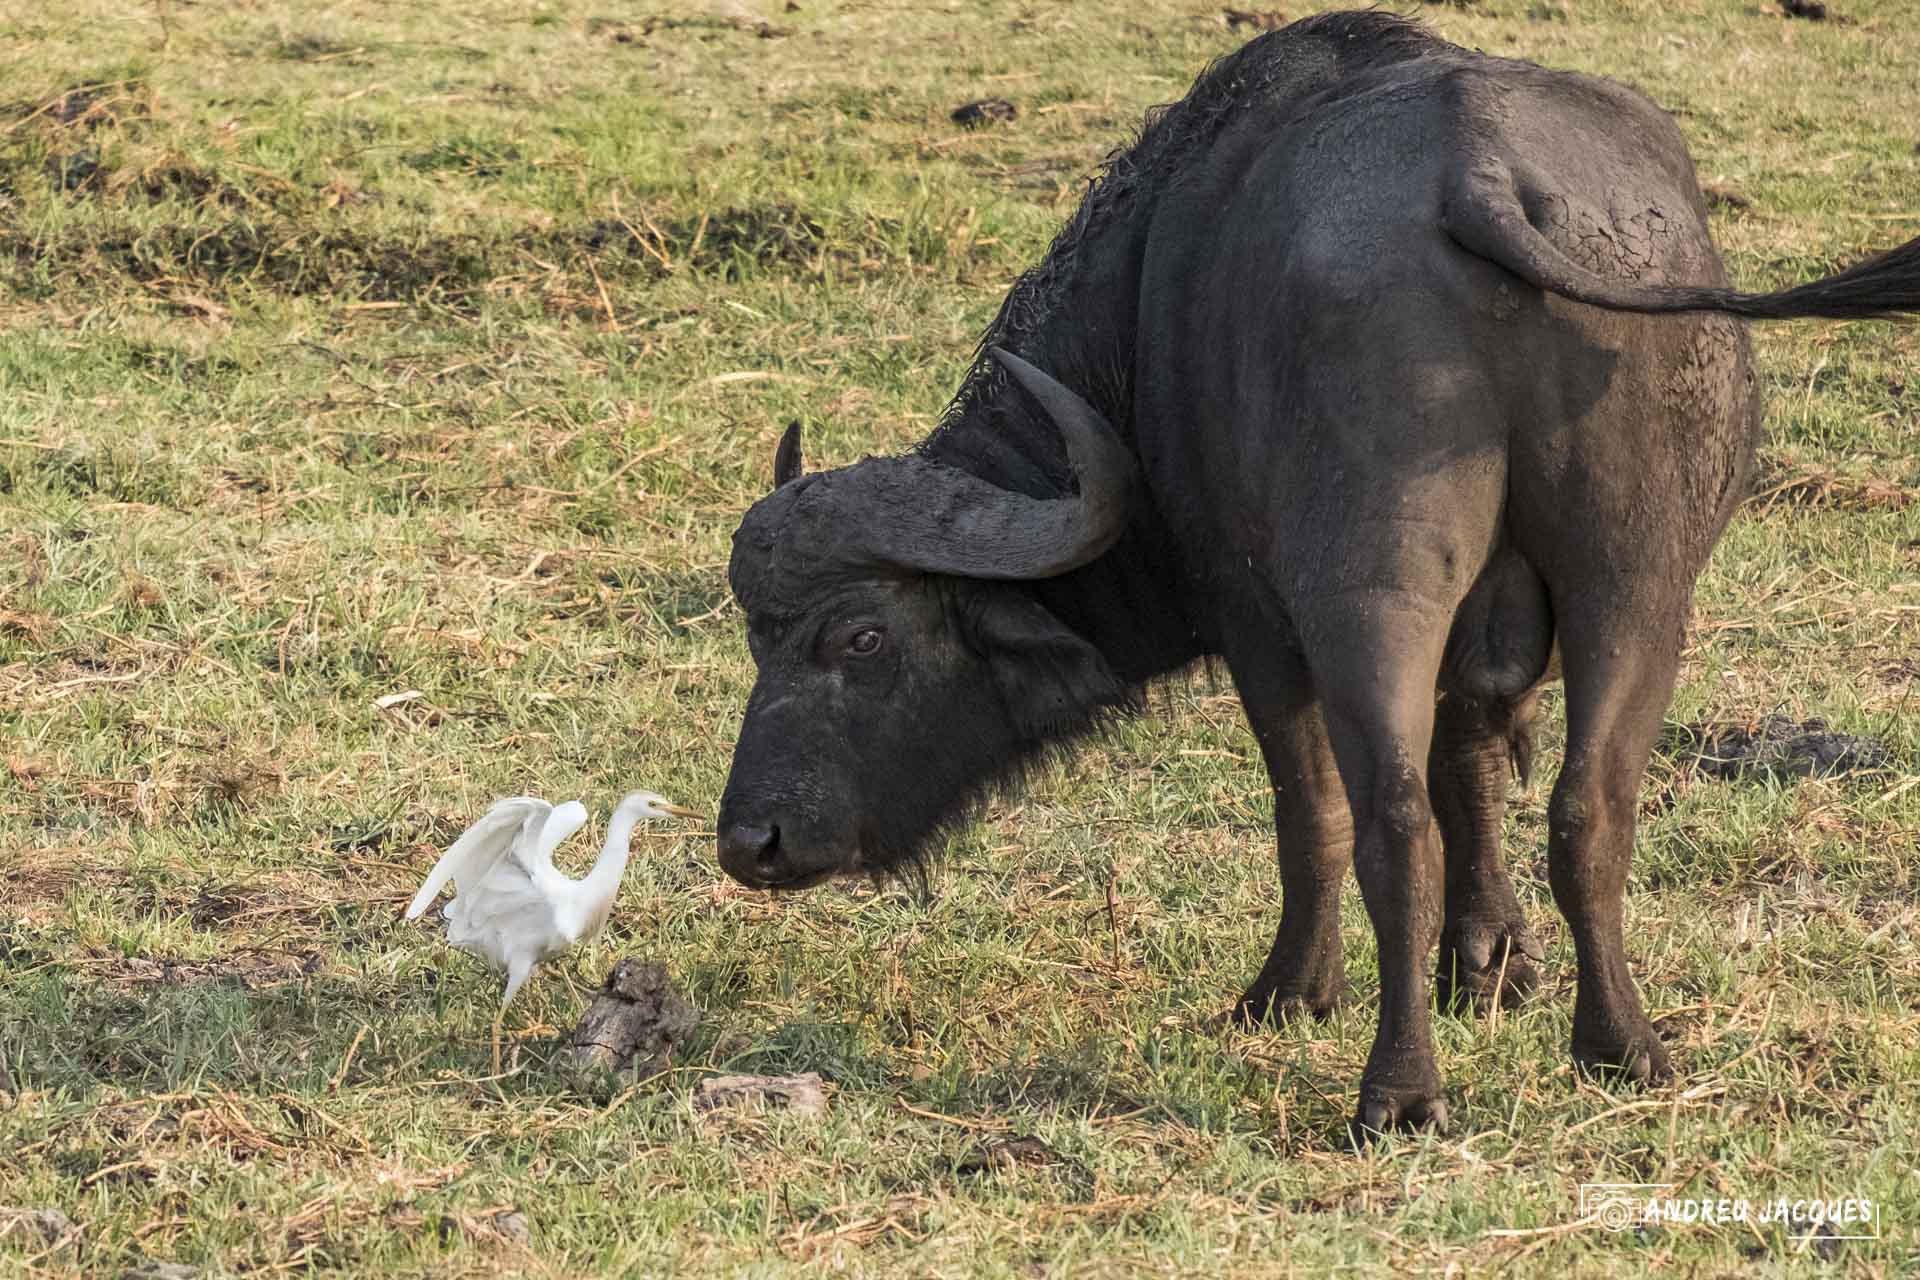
column 680, row 812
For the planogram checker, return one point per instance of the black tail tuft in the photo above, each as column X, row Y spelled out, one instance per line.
column 1885, row 284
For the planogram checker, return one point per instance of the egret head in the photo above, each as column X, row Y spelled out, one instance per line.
column 647, row 805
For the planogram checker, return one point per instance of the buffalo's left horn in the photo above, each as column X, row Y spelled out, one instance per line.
column 962, row 525
column 786, row 458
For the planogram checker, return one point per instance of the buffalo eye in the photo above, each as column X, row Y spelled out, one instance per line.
column 865, row 642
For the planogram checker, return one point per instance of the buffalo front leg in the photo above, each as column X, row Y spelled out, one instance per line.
column 1313, row 827
column 1487, row 953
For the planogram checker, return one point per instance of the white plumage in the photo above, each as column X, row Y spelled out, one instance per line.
column 510, row 905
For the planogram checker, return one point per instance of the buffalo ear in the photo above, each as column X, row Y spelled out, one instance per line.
column 1049, row 679
column 786, row 458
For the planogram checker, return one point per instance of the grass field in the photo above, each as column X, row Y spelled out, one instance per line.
column 363, row 349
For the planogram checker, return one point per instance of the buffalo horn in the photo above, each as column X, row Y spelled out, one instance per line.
column 955, row 523
column 786, row 458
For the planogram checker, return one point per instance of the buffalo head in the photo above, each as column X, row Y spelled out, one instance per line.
column 902, row 664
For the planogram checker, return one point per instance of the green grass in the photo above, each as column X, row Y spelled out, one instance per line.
column 352, row 350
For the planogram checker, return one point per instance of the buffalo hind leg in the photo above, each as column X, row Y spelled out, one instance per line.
column 1313, row 830
column 1487, row 953
column 1375, row 657
column 1618, row 682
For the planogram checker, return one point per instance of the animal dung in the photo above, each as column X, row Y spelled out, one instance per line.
column 636, row 1021
column 1779, row 747
column 801, row 1094
column 983, row 112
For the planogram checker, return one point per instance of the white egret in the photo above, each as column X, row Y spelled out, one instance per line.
column 510, row 905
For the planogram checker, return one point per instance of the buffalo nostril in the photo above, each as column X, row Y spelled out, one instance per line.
column 749, row 850
column 768, row 855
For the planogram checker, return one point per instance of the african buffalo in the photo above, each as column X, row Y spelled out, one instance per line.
column 1397, row 376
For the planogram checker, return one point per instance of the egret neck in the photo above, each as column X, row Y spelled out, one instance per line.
column 602, row 884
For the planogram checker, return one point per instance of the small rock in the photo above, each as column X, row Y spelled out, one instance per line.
column 512, row 1225
column 49, row 1225
column 801, row 1094
column 635, row 1021
column 985, row 111
column 161, row 1271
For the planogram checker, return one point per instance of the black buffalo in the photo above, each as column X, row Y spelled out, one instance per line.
column 1356, row 376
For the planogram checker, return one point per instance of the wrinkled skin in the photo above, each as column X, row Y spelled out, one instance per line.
column 1406, row 446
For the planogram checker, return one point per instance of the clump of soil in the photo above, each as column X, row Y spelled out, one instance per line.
column 984, row 111
column 1778, row 747
column 635, row 1022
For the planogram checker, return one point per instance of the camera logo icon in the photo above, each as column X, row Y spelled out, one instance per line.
column 1618, row 1206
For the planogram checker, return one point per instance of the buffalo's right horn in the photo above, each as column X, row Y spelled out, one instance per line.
column 947, row 521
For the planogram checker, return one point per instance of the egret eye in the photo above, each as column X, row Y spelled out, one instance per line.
column 865, row 642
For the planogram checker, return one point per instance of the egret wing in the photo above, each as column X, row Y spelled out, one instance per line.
column 513, row 907
column 536, row 855
column 480, row 848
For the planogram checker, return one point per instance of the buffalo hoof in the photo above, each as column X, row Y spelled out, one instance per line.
column 1386, row 1109
column 1262, row 1006
column 1638, row 1058
column 1486, row 964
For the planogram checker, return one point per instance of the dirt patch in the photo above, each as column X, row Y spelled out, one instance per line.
column 1824, row 489
column 766, row 235
column 1776, row 747
column 248, row 970
column 755, row 26
column 274, row 252
column 85, row 107
column 316, row 48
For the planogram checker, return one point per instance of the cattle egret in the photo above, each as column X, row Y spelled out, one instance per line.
column 510, row 905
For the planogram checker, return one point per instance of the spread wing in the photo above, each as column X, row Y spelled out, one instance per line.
column 481, row 848
column 510, row 909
